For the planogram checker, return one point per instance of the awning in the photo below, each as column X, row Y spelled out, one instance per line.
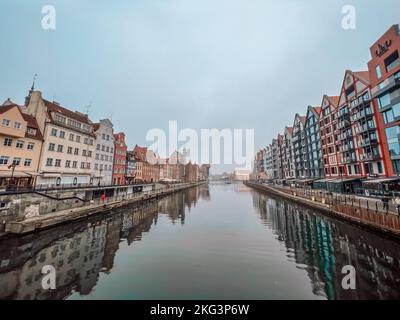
column 344, row 180
column 382, row 180
column 17, row 174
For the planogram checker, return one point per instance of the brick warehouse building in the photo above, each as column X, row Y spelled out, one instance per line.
column 384, row 73
column 120, row 150
column 328, row 129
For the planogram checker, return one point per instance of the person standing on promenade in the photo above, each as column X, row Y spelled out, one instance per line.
column 397, row 203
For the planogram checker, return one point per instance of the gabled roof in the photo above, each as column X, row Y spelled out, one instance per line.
column 362, row 75
column 32, row 123
column 8, row 102
column 54, row 107
column 5, row 108
column 140, row 153
column 289, row 130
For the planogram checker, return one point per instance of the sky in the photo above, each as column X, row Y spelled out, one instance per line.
column 235, row 64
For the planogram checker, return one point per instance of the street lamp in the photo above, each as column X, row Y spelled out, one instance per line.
column 12, row 166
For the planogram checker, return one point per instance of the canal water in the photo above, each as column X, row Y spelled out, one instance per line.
column 221, row 241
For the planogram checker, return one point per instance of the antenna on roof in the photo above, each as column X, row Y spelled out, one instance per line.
column 87, row 108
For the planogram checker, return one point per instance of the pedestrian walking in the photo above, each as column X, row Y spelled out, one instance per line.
column 397, row 203
column 385, row 201
column 103, row 200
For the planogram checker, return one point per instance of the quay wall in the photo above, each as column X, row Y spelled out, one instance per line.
column 388, row 224
column 31, row 212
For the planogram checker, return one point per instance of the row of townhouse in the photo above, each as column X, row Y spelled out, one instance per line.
column 353, row 135
column 45, row 144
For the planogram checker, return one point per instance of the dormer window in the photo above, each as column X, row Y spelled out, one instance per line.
column 6, row 123
column 31, row 131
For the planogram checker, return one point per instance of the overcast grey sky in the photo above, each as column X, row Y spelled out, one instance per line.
column 205, row 63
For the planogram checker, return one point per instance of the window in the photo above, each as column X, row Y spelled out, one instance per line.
column 103, row 136
column 84, row 153
column 87, row 165
column 396, row 110
column 74, row 164
column 68, row 163
column 78, row 138
column 30, row 146
column 7, row 142
column 71, row 137
column 17, row 125
column 378, row 71
column 58, row 163
column 82, row 165
column 85, row 140
column 69, row 150
column 393, row 140
column 388, row 116
column 89, row 154
column 59, row 118
column 384, row 100
column 19, row 144
column 60, row 148
column 51, row 146
column 27, row 162
column 392, row 61
column 62, row 134
column 6, row 123
column 4, row 160
column 54, row 132
column 49, row 162
column 31, row 131
column 98, row 147
column 76, row 151
column 17, row 161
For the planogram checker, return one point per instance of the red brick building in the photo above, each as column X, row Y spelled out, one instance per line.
column 192, row 172
column 120, row 150
column 329, row 133
column 384, row 76
column 147, row 167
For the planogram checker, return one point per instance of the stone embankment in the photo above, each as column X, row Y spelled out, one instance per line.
column 40, row 222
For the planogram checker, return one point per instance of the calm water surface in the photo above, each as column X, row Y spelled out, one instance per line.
column 212, row 242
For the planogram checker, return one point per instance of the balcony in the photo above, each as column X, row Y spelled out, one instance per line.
column 392, row 82
column 369, row 156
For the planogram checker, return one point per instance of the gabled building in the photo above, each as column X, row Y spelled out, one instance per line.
column 67, row 155
column 287, row 154
column 147, row 167
column 314, row 167
column 20, row 146
column 120, row 150
column 329, row 136
column 361, row 153
column 299, row 146
column 130, row 171
column 384, row 76
column 104, row 154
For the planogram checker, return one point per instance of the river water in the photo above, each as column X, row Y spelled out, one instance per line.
column 221, row 241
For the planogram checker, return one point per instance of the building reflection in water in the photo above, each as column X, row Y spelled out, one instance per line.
column 82, row 250
column 322, row 246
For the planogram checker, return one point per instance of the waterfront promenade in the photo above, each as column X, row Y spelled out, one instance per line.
column 366, row 212
column 91, row 208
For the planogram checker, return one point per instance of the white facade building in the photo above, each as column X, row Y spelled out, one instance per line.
column 104, row 153
column 67, row 153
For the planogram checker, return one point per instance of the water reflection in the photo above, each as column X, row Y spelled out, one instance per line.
column 82, row 250
column 322, row 246
column 203, row 246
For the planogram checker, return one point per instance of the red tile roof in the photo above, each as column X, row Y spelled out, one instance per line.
column 32, row 123
column 334, row 100
column 364, row 75
column 54, row 107
column 140, row 153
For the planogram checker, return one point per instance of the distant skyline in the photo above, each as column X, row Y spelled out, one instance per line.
column 206, row 64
